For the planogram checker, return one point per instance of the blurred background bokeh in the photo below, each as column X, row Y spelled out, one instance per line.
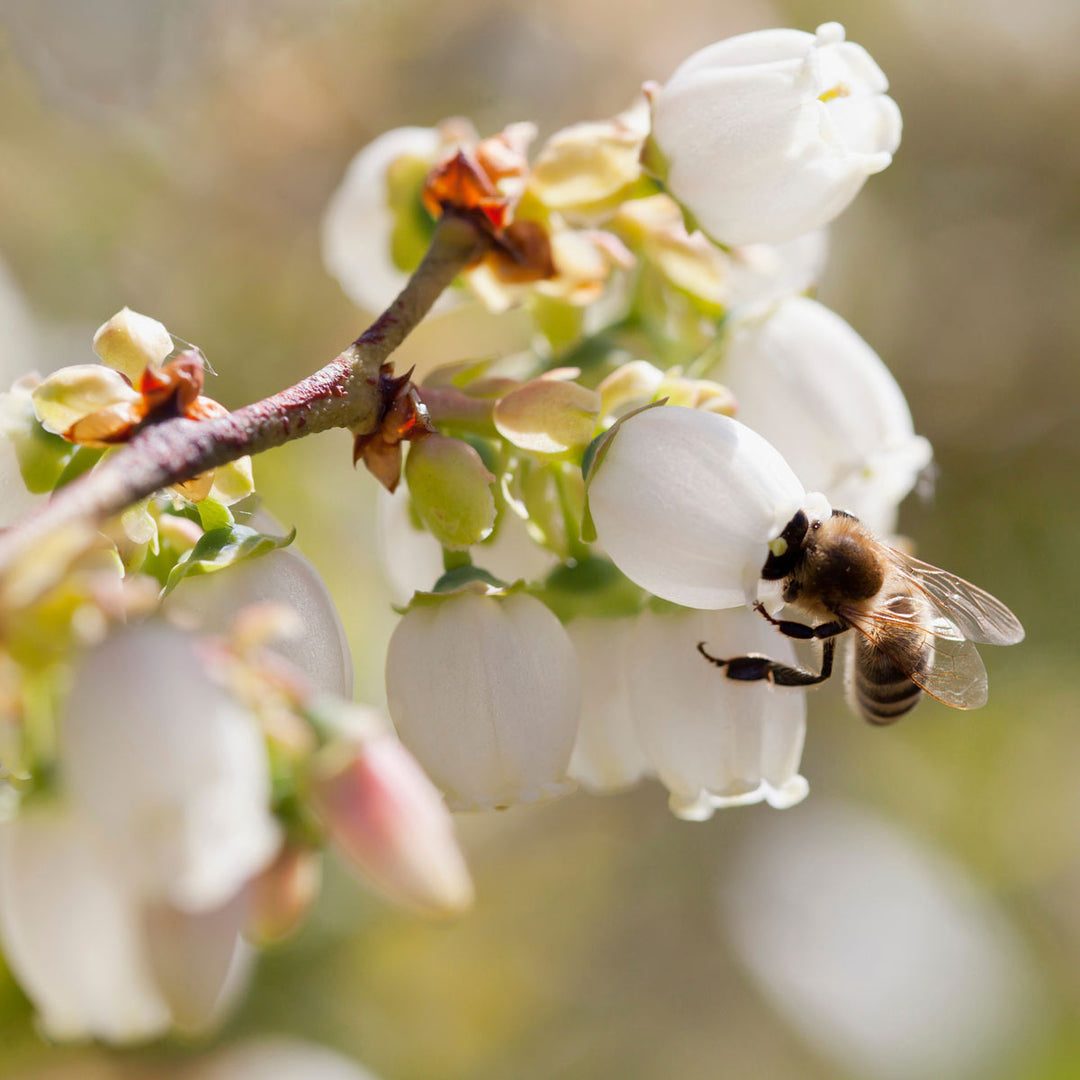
column 919, row 915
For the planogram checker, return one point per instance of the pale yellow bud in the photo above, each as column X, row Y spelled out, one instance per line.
column 130, row 342
column 548, row 416
column 72, row 393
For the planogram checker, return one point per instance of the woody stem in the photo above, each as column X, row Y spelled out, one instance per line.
column 343, row 394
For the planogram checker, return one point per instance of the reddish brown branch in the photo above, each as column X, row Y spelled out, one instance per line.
column 343, row 394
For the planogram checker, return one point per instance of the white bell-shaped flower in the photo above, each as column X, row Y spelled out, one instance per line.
column 770, row 134
column 607, row 753
column 173, row 769
column 685, row 503
column 807, row 382
column 714, row 741
column 483, row 689
column 284, row 576
column 70, row 931
column 882, row 953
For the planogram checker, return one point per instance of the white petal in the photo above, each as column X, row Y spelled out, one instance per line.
column 285, row 577
column 884, row 955
column 71, row 933
column 173, row 769
column 806, row 381
column 607, row 755
column 765, row 273
column 277, row 1058
column 358, row 224
column 200, row 961
column 685, row 503
column 484, row 691
column 715, row 742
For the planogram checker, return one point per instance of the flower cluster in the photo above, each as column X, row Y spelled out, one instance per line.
column 178, row 744
column 549, row 631
column 576, row 517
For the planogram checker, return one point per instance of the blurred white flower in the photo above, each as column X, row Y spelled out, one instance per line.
column 360, row 224
column 806, row 381
column 883, row 954
column 685, row 503
column 171, row 768
column 284, row 576
column 483, row 689
column 768, row 135
column 200, row 961
column 412, row 558
column 18, row 337
column 276, row 1059
column 607, row 752
column 122, row 910
column 70, row 931
column 388, row 819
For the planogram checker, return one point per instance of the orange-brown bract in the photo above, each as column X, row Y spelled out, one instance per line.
column 917, row 625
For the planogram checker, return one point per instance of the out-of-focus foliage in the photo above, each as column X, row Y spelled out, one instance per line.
column 177, row 158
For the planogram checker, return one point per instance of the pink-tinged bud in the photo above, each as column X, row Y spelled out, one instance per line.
column 283, row 894
column 390, row 821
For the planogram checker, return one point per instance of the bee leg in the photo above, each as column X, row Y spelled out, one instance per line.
column 800, row 630
column 756, row 668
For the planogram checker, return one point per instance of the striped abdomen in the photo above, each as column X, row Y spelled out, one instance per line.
column 881, row 686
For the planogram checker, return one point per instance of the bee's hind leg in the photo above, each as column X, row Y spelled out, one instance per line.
column 756, row 668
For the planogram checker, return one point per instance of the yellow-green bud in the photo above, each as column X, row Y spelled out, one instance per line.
column 451, row 490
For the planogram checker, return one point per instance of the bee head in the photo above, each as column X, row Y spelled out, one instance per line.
column 785, row 552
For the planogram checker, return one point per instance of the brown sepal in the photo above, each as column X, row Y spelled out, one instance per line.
column 402, row 417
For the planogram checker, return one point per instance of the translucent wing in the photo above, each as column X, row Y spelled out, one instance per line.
column 976, row 614
column 934, row 654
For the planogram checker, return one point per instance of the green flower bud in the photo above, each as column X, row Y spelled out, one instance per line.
column 130, row 342
column 451, row 490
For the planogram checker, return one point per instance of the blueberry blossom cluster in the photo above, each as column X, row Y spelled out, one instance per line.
column 570, row 519
column 176, row 735
column 551, row 610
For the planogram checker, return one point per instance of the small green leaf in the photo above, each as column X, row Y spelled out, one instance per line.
column 82, row 461
column 221, row 548
column 43, row 458
column 214, row 515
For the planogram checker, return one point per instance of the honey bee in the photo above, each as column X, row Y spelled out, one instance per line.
column 917, row 625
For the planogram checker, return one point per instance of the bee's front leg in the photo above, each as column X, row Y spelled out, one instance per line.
column 757, row 668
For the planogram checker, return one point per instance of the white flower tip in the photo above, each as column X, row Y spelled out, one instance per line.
column 699, row 807
column 830, row 33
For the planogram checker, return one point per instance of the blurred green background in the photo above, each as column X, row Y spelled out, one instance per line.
column 176, row 157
